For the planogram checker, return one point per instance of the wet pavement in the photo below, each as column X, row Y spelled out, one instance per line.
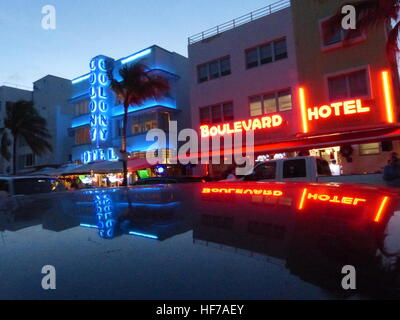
column 203, row 241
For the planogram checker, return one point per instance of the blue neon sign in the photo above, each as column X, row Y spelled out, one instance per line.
column 108, row 154
column 99, row 100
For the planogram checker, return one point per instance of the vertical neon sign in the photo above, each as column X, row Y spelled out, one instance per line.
column 104, row 214
column 99, row 100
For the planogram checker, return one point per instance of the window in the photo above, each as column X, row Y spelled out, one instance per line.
column 29, row 160
column 225, row 66
column 82, row 135
column 119, row 125
column 294, row 168
column 227, row 111
column 256, row 107
column 82, row 107
column 205, row 115
column 271, row 103
column 202, row 73
column 252, row 58
column 265, row 171
column 285, row 100
column 333, row 35
column 216, row 113
column 350, row 85
column 369, row 149
column 143, row 123
column 266, row 53
column 214, row 69
column 280, row 49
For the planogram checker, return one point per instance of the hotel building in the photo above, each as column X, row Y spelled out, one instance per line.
column 304, row 90
column 97, row 125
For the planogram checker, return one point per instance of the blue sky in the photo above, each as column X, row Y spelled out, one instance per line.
column 86, row 28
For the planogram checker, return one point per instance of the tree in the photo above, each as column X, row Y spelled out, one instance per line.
column 138, row 84
column 22, row 121
column 372, row 13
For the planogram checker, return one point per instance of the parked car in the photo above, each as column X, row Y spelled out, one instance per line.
column 307, row 169
column 28, row 185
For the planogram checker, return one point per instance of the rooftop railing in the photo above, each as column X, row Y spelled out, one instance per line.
column 272, row 8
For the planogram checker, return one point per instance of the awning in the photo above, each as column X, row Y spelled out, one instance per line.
column 98, row 167
column 325, row 141
column 138, row 164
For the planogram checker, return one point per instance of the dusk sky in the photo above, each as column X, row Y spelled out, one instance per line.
column 115, row 28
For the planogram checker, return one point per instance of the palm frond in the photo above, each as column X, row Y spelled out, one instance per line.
column 23, row 121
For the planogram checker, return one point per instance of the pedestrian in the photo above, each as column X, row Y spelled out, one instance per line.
column 335, row 168
column 392, row 169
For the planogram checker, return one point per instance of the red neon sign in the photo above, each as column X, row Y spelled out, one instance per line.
column 260, row 123
column 387, row 90
column 350, row 107
column 345, row 200
column 242, row 191
column 337, row 109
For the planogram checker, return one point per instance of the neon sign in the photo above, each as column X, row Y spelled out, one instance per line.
column 351, row 107
column 99, row 155
column 335, row 199
column 99, row 100
column 104, row 213
column 337, row 109
column 265, row 122
column 256, row 192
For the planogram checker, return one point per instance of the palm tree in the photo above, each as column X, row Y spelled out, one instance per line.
column 137, row 85
column 372, row 13
column 24, row 122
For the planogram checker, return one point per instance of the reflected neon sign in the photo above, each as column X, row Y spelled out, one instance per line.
column 266, row 122
column 243, row 191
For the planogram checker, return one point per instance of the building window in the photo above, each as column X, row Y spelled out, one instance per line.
column 214, row 69
column 205, row 115
column 216, row 113
column 350, row 85
column 266, row 53
column 369, row 149
column 280, row 49
column 82, row 135
column 271, row 103
column 143, row 123
column 119, row 125
column 333, row 35
column 227, row 111
column 27, row 160
column 82, row 107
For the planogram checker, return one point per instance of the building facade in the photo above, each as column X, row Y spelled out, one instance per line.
column 302, row 90
column 98, row 121
column 49, row 96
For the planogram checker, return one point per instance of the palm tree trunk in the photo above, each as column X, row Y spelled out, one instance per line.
column 123, row 149
column 14, row 155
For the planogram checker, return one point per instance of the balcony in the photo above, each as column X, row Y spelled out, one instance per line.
column 254, row 15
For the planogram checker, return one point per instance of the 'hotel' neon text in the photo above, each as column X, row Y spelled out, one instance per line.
column 337, row 109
